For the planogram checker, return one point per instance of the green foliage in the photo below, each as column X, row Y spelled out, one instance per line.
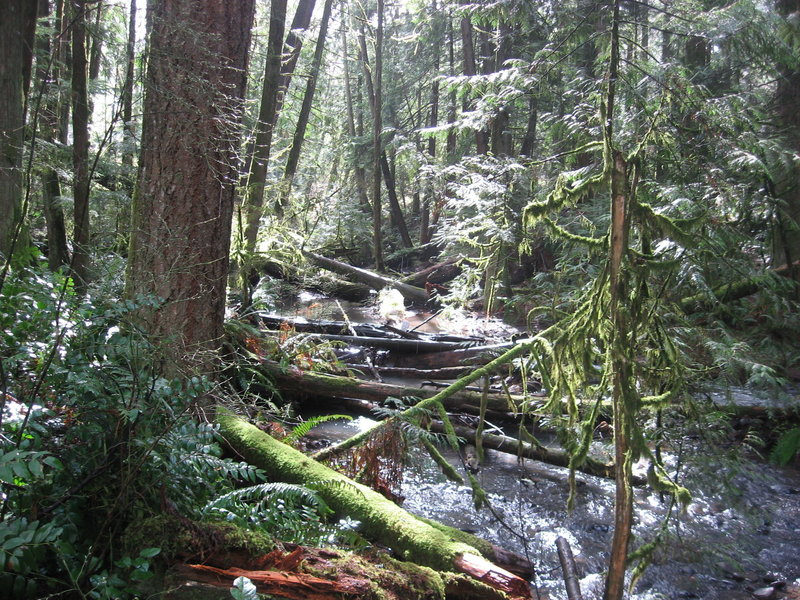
column 787, row 447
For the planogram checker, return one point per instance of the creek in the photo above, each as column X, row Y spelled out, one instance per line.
column 739, row 535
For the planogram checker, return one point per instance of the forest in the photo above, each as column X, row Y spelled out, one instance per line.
column 454, row 299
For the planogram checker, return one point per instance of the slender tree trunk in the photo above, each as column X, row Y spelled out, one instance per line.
column 80, row 149
column 470, row 69
column 267, row 116
column 15, row 69
column 787, row 99
column 183, row 208
column 128, row 133
column 57, row 252
column 433, row 121
column 529, row 139
column 96, row 52
column 358, row 171
column 394, row 203
column 373, row 79
column 620, row 347
column 305, row 111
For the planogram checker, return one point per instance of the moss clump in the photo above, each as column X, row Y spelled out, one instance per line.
column 181, row 538
column 389, row 578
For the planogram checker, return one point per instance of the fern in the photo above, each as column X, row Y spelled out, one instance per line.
column 787, row 447
column 303, row 428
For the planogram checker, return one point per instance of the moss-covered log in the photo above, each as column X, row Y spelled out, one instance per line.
column 733, row 291
column 382, row 520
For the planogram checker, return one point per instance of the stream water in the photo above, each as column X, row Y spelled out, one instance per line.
column 739, row 536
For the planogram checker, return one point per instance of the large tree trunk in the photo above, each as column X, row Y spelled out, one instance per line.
column 184, row 204
column 80, row 149
column 381, row 519
column 16, row 46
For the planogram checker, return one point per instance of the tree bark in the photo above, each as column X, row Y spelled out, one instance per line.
column 57, row 251
column 305, row 111
column 16, row 52
column 79, row 267
column 183, row 209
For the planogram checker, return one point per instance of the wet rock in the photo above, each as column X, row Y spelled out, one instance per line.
column 765, row 593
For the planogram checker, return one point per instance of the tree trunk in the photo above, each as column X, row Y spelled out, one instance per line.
column 358, row 171
column 394, row 204
column 16, row 51
column 470, row 69
column 381, row 519
column 305, row 111
column 267, row 117
column 787, row 99
column 377, row 107
column 57, row 252
column 80, row 150
column 183, row 209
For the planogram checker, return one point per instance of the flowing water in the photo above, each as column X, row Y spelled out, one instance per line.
column 744, row 537
column 740, row 534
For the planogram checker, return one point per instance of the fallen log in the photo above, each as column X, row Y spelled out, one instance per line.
column 325, row 284
column 295, row 586
column 307, row 383
column 361, row 329
column 411, row 373
column 382, row 520
column 475, row 355
column 375, row 281
column 438, row 273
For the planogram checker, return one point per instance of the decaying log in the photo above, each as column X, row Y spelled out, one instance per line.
column 382, row 521
column 411, row 373
column 307, row 383
column 296, row 586
column 375, row 281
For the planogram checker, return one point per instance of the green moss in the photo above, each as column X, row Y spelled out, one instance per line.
column 382, row 520
column 180, row 537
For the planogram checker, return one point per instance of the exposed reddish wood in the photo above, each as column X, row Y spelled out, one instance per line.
column 492, row 575
column 297, row 586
